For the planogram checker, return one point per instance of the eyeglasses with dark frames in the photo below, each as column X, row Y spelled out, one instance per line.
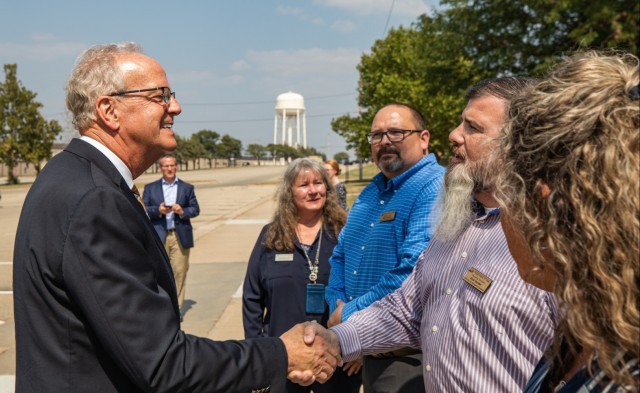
column 166, row 93
column 393, row 134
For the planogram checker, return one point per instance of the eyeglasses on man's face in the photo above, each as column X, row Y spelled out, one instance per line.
column 166, row 93
column 393, row 134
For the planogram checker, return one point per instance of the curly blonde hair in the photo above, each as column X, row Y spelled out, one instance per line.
column 281, row 234
column 577, row 132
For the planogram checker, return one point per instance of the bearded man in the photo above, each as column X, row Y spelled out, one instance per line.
column 481, row 328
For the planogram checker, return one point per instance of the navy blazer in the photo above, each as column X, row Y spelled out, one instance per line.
column 153, row 196
column 94, row 298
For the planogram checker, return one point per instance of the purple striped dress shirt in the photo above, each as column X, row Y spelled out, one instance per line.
column 472, row 341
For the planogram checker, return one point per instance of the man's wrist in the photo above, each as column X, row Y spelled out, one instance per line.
column 348, row 340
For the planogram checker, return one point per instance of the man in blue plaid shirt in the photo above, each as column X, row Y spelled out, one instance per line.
column 388, row 227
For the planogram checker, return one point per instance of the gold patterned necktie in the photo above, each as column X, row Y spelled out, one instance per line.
column 135, row 191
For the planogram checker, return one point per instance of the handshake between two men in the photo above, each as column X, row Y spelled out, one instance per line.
column 315, row 357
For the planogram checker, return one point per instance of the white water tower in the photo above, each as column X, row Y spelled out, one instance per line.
column 289, row 109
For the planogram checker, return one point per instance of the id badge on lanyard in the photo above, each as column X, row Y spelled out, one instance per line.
column 315, row 299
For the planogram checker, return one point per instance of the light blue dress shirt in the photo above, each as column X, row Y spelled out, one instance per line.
column 389, row 225
column 170, row 191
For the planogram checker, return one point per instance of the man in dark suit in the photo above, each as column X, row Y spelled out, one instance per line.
column 94, row 298
column 171, row 204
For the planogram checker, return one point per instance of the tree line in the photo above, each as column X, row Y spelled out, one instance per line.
column 209, row 145
column 431, row 64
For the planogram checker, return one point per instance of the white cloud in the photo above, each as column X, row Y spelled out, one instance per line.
column 406, row 8
column 300, row 14
column 344, row 26
column 192, row 78
column 240, row 65
column 313, row 61
column 43, row 37
column 41, row 51
column 288, row 10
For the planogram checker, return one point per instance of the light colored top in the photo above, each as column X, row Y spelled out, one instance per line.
column 389, row 225
column 170, row 191
column 471, row 341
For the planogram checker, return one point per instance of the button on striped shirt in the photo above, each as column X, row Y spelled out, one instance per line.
column 471, row 341
column 389, row 225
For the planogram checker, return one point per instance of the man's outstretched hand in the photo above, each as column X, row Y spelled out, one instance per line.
column 313, row 352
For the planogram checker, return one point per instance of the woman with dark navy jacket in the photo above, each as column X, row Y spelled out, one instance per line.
column 289, row 266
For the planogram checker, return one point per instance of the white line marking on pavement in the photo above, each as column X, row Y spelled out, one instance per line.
column 238, row 293
column 6, row 263
column 6, row 292
column 7, row 383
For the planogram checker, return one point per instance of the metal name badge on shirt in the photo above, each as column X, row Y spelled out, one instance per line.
column 284, row 257
column 315, row 298
column 477, row 280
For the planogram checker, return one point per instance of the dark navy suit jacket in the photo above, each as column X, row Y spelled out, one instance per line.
column 95, row 303
column 153, row 197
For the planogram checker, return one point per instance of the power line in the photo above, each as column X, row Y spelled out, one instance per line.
column 255, row 120
column 264, row 102
column 388, row 17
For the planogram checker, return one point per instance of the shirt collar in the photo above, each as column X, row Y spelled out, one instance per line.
column 385, row 184
column 483, row 212
column 111, row 156
column 175, row 181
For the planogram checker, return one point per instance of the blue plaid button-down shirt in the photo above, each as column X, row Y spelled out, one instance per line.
column 389, row 225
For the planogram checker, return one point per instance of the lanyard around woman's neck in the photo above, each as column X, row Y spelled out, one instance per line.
column 313, row 267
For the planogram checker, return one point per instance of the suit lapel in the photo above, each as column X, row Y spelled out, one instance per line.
column 98, row 159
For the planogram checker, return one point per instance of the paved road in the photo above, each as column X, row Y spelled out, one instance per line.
column 235, row 203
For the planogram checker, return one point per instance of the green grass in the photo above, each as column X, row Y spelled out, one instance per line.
column 355, row 184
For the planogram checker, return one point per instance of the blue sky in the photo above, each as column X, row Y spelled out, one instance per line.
column 227, row 61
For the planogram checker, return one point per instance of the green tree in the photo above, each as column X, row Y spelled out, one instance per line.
column 431, row 64
column 229, row 147
column 415, row 68
column 208, row 139
column 38, row 142
column 24, row 133
column 341, row 156
column 279, row 151
column 189, row 149
column 308, row 152
column 256, row 151
column 180, row 153
column 527, row 36
column 194, row 150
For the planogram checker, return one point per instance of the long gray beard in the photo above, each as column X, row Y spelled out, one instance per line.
column 456, row 202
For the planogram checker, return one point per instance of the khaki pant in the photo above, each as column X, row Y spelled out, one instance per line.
column 179, row 258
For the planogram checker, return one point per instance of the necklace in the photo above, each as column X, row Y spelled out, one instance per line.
column 313, row 267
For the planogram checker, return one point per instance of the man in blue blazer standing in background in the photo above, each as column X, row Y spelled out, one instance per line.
column 171, row 204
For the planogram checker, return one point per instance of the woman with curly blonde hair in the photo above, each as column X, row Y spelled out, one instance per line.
column 570, row 188
column 289, row 266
